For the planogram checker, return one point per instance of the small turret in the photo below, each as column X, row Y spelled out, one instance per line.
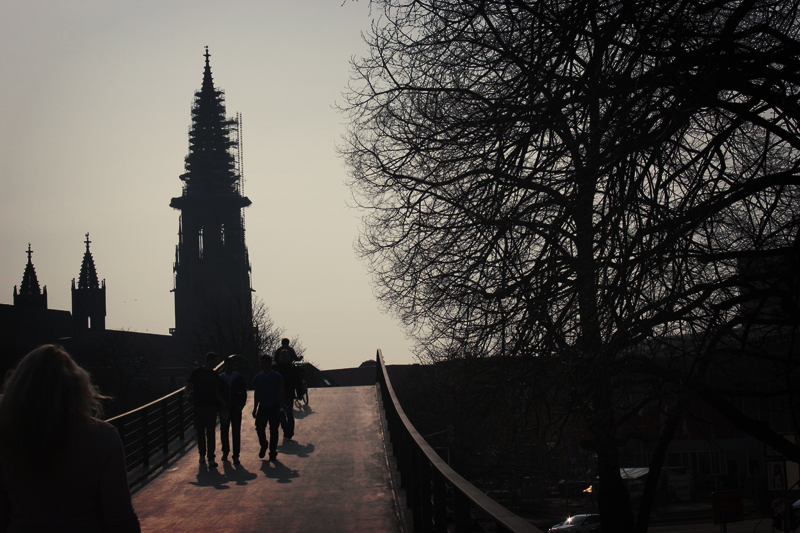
column 89, row 296
column 30, row 295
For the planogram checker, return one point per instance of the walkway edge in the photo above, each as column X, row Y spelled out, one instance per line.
column 399, row 493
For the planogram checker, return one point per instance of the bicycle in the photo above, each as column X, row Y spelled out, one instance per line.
column 302, row 394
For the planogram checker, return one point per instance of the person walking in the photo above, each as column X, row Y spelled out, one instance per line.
column 234, row 391
column 268, row 399
column 61, row 468
column 203, row 389
column 291, row 378
column 284, row 347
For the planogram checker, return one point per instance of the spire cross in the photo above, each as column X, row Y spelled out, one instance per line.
column 87, row 241
column 207, row 55
column 29, row 252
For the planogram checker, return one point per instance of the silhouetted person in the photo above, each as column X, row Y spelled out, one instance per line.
column 203, row 389
column 285, row 346
column 291, row 381
column 234, row 392
column 61, row 469
column 268, row 399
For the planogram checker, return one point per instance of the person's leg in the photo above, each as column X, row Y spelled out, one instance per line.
column 274, row 426
column 288, row 430
column 211, row 429
column 200, row 429
column 224, row 426
column 236, row 431
column 262, row 418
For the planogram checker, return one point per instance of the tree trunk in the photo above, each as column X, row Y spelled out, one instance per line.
column 656, row 464
column 613, row 498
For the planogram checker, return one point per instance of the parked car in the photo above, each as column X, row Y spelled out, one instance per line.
column 580, row 523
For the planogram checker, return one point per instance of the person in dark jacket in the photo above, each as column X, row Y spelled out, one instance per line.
column 234, row 391
column 202, row 387
column 291, row 381
column 268, row 400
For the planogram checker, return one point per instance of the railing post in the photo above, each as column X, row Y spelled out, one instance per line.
column 425, row 500
column 402, row 451
column 145, row 440
column 439, row 503
column 406, row 463
column 181, row 411
column 461, row 512
column 413, row 487
column 165, row 425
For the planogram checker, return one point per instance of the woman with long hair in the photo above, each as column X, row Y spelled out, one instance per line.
column 61, row 468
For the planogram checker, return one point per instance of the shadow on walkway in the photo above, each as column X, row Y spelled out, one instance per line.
column 221, row 479
column 291, row 447
column 277, row 470
column 332, row 477
column 302, row 412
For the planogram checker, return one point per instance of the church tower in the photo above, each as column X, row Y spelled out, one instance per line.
column 30, row 295
column 88, row 297
column 212, row 267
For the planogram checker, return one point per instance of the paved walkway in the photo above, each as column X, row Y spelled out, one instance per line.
column 332, row 476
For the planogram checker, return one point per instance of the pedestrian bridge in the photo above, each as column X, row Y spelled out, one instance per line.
column 355, row 464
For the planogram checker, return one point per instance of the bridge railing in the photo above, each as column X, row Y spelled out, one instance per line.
column 435, row 493
column 154, row 433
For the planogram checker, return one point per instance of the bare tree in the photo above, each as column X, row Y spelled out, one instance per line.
column 578, row 180
column 231, row 329
column 268, row 335
column 226, row 327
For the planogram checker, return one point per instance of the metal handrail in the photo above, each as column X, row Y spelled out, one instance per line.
column 158, row 430
column 435, row 493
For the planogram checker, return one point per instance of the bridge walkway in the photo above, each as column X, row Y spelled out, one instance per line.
column 333, row 476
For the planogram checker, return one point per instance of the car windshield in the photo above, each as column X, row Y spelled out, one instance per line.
column 574, row 520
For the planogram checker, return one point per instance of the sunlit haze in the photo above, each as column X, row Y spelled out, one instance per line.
column 94, row 116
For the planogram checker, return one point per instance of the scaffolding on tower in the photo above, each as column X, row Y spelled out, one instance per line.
column 238, row 149
column 235, row 130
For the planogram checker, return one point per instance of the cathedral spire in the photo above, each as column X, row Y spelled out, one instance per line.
column 210, row 164
column 88, row 275
column 30, row 295
column 212, row 268
column 208, row 81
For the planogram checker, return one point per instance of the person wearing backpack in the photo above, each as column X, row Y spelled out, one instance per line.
column 285, row 347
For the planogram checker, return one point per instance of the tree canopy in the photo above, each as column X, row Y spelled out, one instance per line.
column 580, row 180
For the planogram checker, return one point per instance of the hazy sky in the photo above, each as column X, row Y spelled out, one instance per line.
column 95, row 101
